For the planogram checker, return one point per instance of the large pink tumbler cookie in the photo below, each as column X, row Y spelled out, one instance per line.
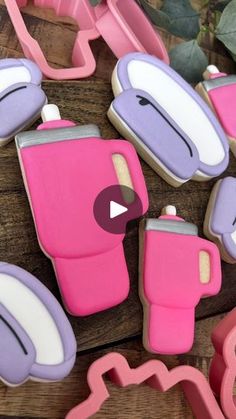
column 65, row 168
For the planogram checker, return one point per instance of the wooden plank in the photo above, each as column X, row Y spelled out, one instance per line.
column 18, row 242
column 41, row 400
column 86, row 102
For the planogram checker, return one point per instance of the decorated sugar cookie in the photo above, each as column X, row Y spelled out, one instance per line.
column 170, row 125
column 21, row 96
column 220, row 220
column 219, row 91
column 177, row 268
column 36, row 338
column 66, row 168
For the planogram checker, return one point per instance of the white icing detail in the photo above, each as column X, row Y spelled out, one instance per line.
column 181, row 107
column 169, row 210
column 34, row 318
column 50, row 113
column 13, row 75
column 212, row 69
column 233, row 237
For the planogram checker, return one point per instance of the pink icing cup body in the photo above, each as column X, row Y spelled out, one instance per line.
column 172, row 283
column 63, row 178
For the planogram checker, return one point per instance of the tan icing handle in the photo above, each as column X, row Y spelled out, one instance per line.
column 129, row 172
column 210, row 273
column 205, row 267
column 124, row 177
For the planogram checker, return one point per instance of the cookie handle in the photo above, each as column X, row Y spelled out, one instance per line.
column 210, row 268
column 128, row 151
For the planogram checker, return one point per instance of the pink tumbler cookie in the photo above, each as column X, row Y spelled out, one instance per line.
column 65, row 169
column 219, row 91
column 177, row 268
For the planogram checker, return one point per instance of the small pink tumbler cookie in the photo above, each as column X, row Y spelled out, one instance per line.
column 219, row 91
column 177, row 268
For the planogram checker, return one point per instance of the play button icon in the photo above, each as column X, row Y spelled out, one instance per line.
column 115, row 206
column 116, row 209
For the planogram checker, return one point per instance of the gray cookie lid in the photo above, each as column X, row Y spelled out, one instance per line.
column 31, row 138
column 171, row 226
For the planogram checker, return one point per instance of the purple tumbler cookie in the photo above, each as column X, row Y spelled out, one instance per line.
column 36, row 338
column 21, row 96
column 168, row 122
column 220, row 220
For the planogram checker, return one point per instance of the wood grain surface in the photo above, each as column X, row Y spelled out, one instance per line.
column 86, row 101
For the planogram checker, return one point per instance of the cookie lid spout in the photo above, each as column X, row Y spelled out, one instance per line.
column 169, row 210
column 50, row 112
column 170, row 222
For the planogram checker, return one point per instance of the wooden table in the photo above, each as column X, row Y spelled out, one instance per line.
column 118, row 329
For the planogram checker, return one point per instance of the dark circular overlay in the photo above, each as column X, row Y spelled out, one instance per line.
column 117, row 195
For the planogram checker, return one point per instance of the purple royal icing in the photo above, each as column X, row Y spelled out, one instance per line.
column 164, row 142
column 21, row 102
column 17, row 352
column 35, row 73
column 223, row 216
column 17, row 355
column 171, row 144
column 19, row 107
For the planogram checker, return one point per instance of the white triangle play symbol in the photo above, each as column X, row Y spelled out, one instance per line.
column 116, row 209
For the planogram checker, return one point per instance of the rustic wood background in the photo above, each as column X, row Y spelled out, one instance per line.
column 118, row 329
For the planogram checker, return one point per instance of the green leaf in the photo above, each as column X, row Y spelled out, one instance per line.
column 226, row 29
column 158, row 17
column 189, row 60
column 177, row 17
column 95, row 2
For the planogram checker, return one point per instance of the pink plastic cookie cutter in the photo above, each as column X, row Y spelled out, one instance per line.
column 123, row 25
column 155, row 373
column 223, row 367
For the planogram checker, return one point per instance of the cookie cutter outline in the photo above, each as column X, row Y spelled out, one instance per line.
column 222, row 373
column 106, row 19
column 82, row 56
column 156, row 374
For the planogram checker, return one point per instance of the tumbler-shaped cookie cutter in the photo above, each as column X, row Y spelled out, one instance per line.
column 123, row 25
column 222, row 372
